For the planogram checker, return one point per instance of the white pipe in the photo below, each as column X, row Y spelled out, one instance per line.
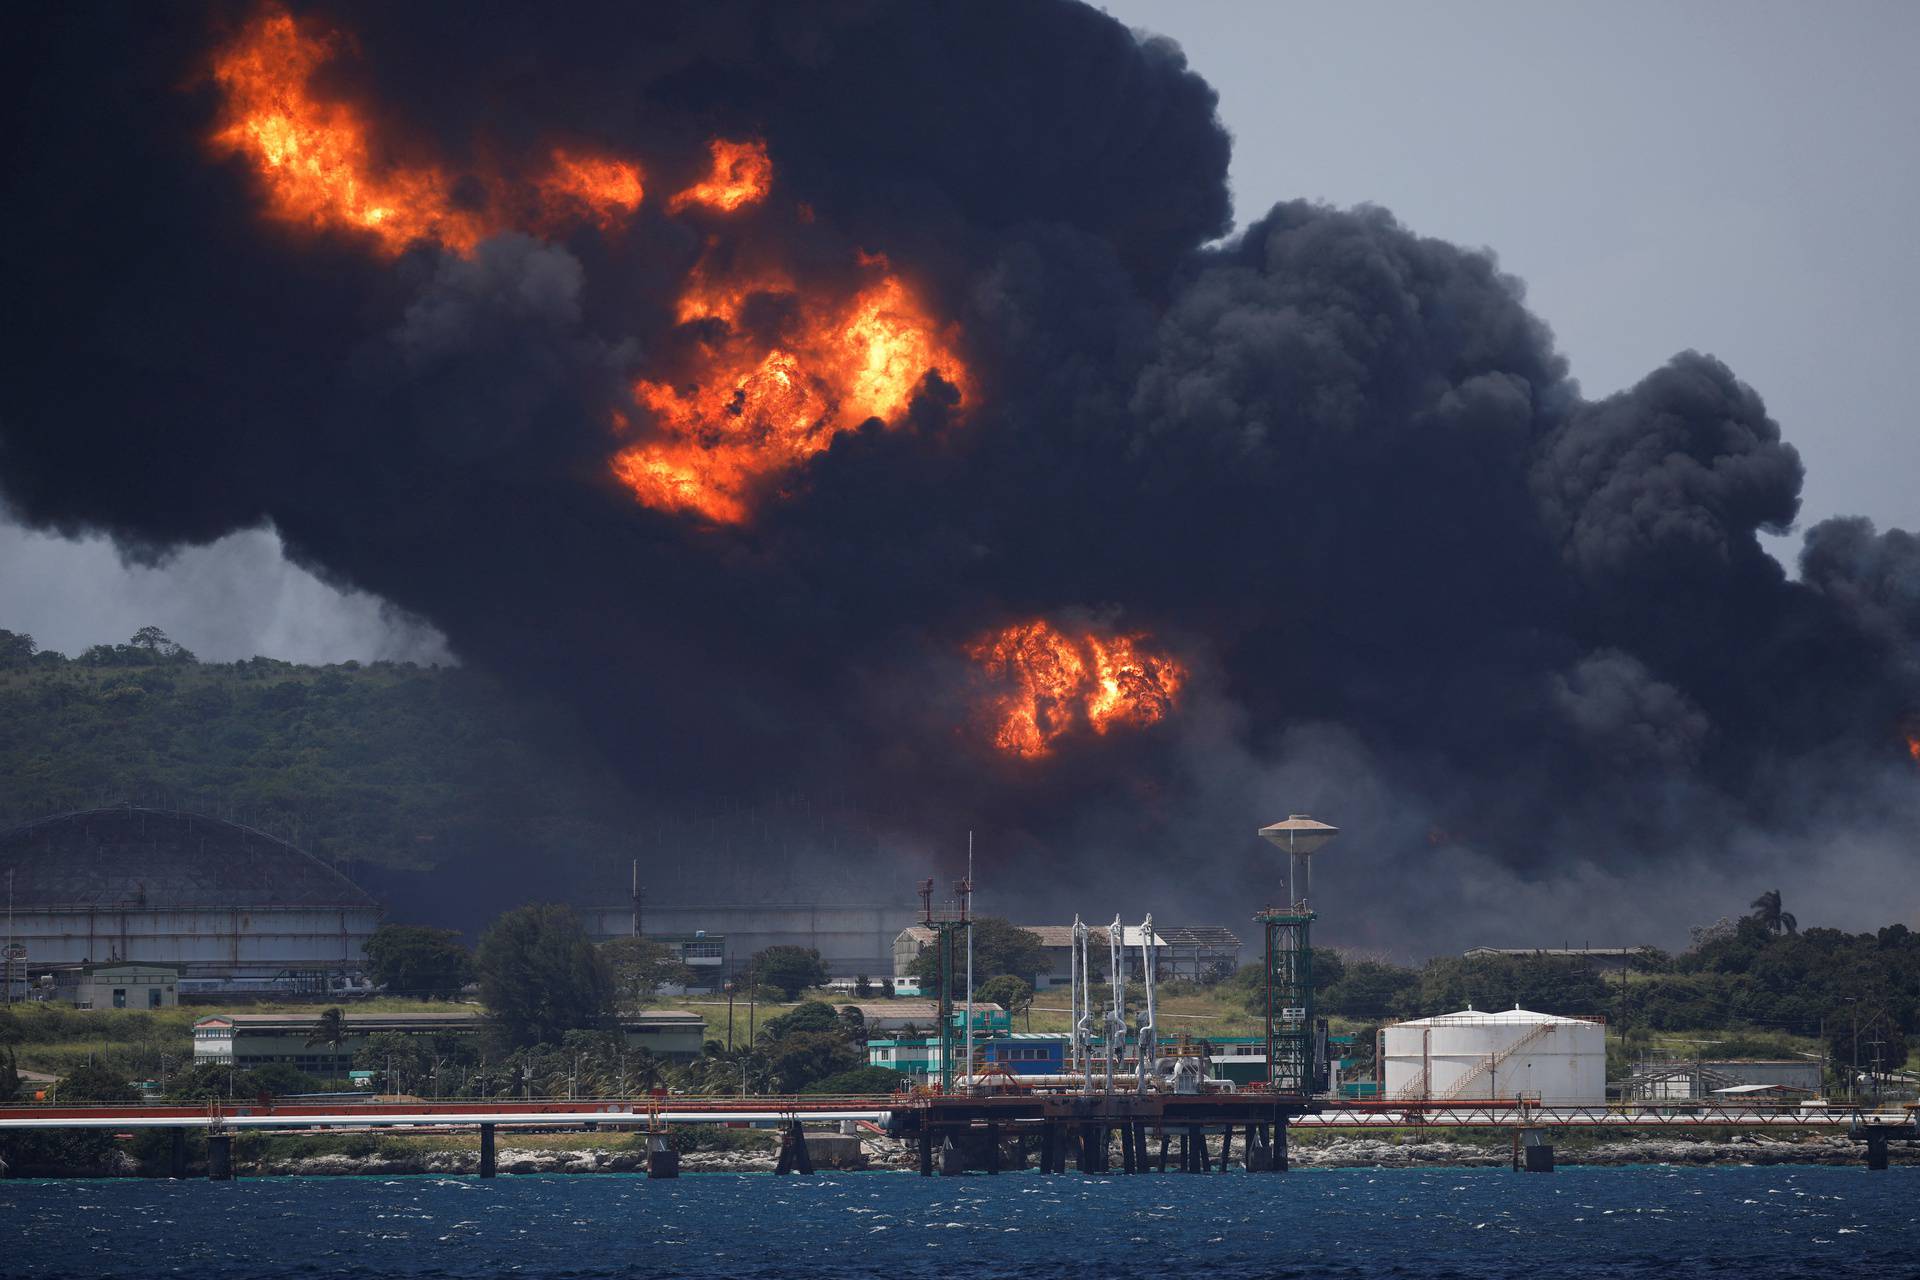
column 1082, row 1003
column 343, row 1119
column 1148, row 1046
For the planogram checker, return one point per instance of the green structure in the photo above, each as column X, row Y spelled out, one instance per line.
column 1288, row 988
column 1293, row 1050
column 950, row 926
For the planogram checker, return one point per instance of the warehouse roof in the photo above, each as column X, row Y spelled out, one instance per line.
column 1061, row 935
column 127, row 857
column 452, row 1020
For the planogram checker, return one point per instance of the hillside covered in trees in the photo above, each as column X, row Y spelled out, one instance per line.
column 383, row 769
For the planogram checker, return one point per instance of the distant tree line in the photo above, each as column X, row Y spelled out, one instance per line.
column 383, row 763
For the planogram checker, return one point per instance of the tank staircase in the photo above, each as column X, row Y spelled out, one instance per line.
column 1491, row 1067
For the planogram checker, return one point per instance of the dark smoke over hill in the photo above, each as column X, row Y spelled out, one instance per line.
column 1314, row 517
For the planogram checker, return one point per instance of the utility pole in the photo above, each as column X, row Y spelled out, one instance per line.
column 638, row 892
column 1853, row 1081
column 9, row 953
column 966, row 913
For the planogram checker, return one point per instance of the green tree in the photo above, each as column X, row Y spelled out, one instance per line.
column 641, row 966
column 401, row 1061
column 413, row 960
column 810, row 1015
column 541, row 976
column 95, row 1084
column 799, row 1058
column 1766, row 909
column 1372, row 990
column 1015, row 995
column 998, row 947
column 1541, row 983
column 861, row 1082
column 330, row 1029
column 789, row 970
column 16, row 649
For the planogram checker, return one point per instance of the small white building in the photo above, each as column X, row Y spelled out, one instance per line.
column 1515, row 1053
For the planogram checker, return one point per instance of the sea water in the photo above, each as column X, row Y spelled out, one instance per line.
column 1363, row 1223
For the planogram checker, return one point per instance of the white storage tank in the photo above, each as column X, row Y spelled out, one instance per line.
column 1560, row 1062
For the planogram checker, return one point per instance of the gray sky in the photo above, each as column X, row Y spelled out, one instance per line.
column 1734, row 177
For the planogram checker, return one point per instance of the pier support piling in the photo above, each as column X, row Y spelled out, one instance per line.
column 1278, row 1161
column 1049, row 1147
column 1226, row 1148
column 1876, row 1151
column 993, row 1148
column 926, row 1152
column 662, row 1160
column 489, row 1163
column 177, row 1153
column 1538, row 1152
column 220, row 1157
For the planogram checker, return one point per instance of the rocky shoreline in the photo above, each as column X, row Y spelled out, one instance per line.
column 884, row 1155
column 881, row 1155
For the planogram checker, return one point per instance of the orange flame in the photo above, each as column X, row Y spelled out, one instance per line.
column 314, row 156
column 756, row 411
column 755, row 405
column 1051, row 681
column 602, row 189
column 742, row 175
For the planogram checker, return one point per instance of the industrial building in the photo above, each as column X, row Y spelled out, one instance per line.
column 246, row 1040
column 209, row 898
column 1708, row 1079
column 1180, row 952
column 1516, row 1053
column 112, row 985
column 903, row 1015
column 852, row 938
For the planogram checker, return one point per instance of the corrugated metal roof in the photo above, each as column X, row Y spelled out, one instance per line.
column 159, row 859
column 1061, row 935
column 451, row 1020
column 1198, row 935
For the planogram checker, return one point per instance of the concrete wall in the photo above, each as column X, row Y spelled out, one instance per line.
column 138, row 987
column 852, row 938
column 213, row 944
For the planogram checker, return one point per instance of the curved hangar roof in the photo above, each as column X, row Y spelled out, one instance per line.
column 161, row 859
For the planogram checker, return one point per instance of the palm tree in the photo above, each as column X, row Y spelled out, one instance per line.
column 1766, row 909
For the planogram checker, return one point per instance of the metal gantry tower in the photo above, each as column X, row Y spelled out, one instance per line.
column 950, row 923
column 1288, row 987
column 1292, row 1060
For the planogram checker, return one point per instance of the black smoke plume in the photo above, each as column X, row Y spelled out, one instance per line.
column 1525, row 646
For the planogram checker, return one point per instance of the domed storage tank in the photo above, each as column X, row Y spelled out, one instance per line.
column 1511, row 1054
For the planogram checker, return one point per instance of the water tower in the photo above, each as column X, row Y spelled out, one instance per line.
column 1292, row 1042
column 1301, row 837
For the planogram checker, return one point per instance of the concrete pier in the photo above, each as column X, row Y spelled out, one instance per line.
column 489, row 1165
